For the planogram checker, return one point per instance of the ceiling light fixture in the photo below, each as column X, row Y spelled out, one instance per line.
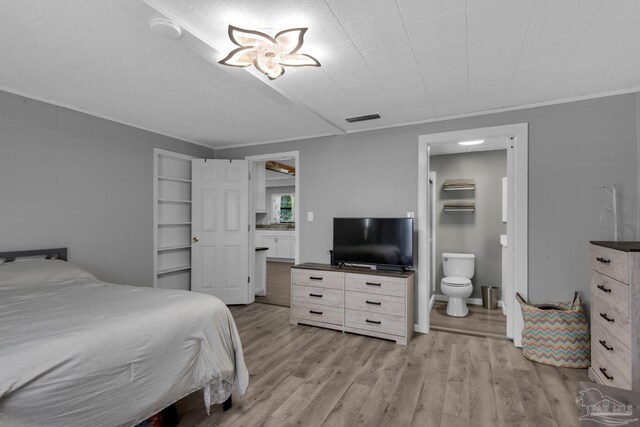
column 474, row 142
column 268, row 54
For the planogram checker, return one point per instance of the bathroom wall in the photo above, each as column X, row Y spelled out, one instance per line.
column 477, row 233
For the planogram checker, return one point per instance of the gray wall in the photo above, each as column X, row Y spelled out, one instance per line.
column 70, row 179
column 574, row 150
column 477, row 233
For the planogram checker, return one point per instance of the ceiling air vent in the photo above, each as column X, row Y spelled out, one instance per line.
column 363, row 118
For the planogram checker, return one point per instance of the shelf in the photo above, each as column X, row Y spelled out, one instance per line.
column 170, row 178
column 165, row 224
column 459, row 188
column 173, row 201
column 174, row 248
column 174, row 270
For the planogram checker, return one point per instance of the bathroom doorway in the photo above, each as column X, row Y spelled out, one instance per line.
column 274, row 231
column 467, row 226
column 463, row 211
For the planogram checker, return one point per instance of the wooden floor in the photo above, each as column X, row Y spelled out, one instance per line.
column 300, row 375
column 278, row 284
column 479, row 321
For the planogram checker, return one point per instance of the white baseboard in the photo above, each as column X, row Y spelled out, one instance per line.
column 503, row 307
column 472, row 301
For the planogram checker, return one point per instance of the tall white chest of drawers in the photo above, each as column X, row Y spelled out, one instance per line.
column 615, row 314
column 379, row 304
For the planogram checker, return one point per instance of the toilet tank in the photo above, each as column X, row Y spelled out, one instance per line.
column 458, row 265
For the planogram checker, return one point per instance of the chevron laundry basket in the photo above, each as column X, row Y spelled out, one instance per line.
column 556, row 334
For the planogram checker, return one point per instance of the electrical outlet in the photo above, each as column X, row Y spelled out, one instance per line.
column 410, row 215
column 309, row 216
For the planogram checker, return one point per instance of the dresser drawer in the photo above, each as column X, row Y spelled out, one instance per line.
column 317, row 278
column 376, row 303
column 375, row 284
column 317, row 312
column 611, row 347
column 394, row 325
column 614, row 293
column 610, row 262
column 317, row 295
column 610, row 318
column 608, row 371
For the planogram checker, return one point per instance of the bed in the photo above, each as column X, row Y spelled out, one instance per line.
column 78, row 351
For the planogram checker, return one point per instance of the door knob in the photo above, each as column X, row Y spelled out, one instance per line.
column 196, row 239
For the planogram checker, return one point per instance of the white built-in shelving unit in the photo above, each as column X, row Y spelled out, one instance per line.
column 172, row 220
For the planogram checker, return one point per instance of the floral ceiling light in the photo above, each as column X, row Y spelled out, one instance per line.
column 268, row 54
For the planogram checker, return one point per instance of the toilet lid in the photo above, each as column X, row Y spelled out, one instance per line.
column 456, row 281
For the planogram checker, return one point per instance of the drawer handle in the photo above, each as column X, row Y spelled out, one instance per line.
column 316, row 295
column 603, row 289
column 375, row 322
column 374, row 302
column 604, row 372
column 315, row 312
column 607, row 318
column 373, row 284
column 602, row 260
column 315, row 278
column 604, row 344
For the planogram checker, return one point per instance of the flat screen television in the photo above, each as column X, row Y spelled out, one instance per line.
column 383, row 242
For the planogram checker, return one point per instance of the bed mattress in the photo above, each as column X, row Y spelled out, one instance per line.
column 78, row 351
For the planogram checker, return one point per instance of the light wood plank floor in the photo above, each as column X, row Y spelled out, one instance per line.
column 307, row 376
column 479, row 321
column 278, row 284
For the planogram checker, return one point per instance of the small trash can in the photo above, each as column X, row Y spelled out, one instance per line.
column 489, row 297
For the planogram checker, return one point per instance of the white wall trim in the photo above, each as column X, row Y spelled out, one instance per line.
column 517, row 227
column 274, row 141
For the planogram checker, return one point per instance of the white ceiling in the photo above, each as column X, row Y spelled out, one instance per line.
column 409, row 60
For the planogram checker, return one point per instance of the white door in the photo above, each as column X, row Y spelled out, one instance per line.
column 220, row 230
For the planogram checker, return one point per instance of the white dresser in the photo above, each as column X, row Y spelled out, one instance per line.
column 615, row 314
column 365, row 302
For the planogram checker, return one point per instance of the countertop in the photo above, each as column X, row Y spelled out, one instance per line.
column 627, row 246
column 283, row 227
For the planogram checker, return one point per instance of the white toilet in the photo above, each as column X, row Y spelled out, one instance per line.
column 458, row 271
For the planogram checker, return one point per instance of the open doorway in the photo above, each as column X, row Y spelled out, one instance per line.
column 466, row 200
column 513, row 254
column 275, row 187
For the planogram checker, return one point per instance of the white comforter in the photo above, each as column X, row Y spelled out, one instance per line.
column 78, row 351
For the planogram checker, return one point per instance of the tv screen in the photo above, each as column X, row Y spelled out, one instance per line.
column 377, row 241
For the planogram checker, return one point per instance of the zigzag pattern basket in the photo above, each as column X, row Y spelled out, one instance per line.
column 556, row 334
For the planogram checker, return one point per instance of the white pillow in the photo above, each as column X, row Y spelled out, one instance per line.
column 29, row 272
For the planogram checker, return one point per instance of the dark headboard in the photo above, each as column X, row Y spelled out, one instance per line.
column 58, row 253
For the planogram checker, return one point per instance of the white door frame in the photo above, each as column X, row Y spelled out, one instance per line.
column 296, row 204
column 517, row 224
